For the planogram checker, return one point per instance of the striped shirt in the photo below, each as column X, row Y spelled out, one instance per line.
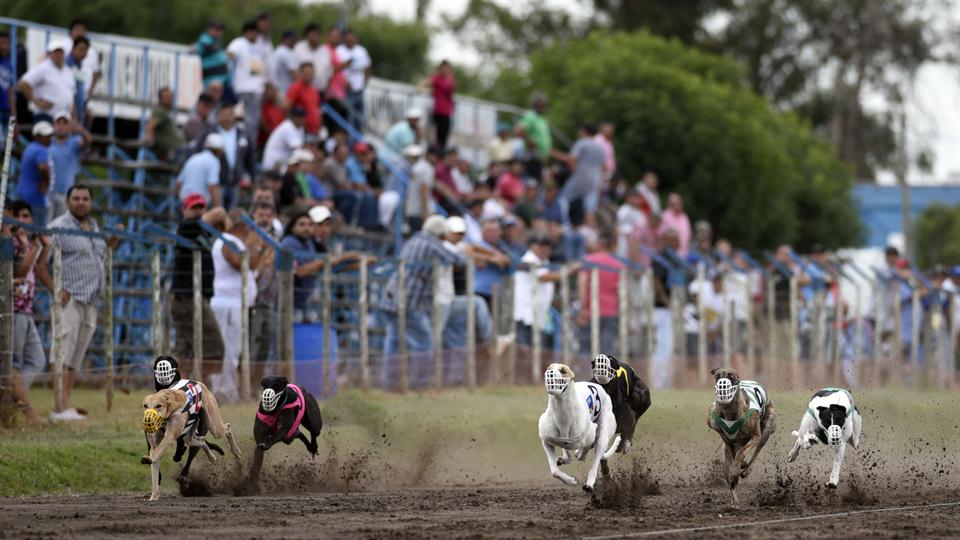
column 418, row 253
column 213, row 60
column 82, row 258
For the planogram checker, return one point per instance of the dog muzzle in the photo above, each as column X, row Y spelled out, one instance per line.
column 269, row 399
column 152, row 421
column 726, row 390
column 602, row 370
column 555, row 382
column 164, row 372
column 835, row 435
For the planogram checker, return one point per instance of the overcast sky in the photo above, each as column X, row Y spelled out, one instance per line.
column 933, row 118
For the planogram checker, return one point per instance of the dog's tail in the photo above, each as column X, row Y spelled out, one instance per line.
column 613, row 448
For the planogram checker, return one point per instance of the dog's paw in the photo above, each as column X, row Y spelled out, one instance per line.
column 154, row 498
column 794, row 433
column 625, row 446
column 146, row 460
column 831, row 485
column 263, row 446
column 744, row 472
column 588, row 488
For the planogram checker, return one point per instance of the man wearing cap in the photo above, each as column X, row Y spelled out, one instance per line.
column 50, row 86
column 35, row 174
column 201, row 173
column 423, row 247
column 406, row 132
column 194, row 209
column 285, row 62
column 288, row 137
column 82, row 286
column 419, row 201
column 68, row 144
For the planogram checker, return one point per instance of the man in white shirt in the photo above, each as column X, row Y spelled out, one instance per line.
column 283, row 141
column 50, row 86
column 359, row 67
column 419, row 202
column 630, row 220
column 283, row 70
column 91, row 64
column 311, row 49
column 533, row 306
column 227, row 301
column 263, row 46
column 249, row 76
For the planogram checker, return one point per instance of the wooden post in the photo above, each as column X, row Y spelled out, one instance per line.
column 364, row 330
column 623, row 308
column 6, row 324
column 702, row 320
column 564, row 314
column 916, row 321
column 772, row 352
column 879, row 317
column 727, row 330
column 897, row 356
column 327, row 373
column 649, row 299
column 56, row 324
column 837, row 332
column 108, row 324
column 402, row 326
column 285, row 352
column 857, row 337
column 536, row 357
column 509, row 299
column 197, row 316
column 792, row 346
column 156, row 331
column 751, row 328
column 244, row 325
column 496, row 294
column 472, row 325
column 819, row 352
column 594, row 312
column 437, row 328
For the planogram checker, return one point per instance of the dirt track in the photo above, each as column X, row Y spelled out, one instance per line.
column 505, row 511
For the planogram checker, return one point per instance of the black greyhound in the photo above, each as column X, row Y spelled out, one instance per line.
column 629, row 394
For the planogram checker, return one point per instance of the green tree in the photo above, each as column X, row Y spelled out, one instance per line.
column 759, row 175
column 935, row 234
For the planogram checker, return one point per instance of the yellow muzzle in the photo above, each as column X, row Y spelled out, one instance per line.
column 152, row 421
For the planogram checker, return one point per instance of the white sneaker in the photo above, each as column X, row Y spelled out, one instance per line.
column 67, row 415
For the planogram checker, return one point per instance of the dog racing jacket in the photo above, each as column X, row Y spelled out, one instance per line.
column 756, row 403
column 271, row 419
column 194, row 403
column 826, row 397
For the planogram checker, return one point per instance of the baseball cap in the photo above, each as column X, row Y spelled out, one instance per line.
column 319, row 214
column 214, row 140
column 413, row 112
column 61, row 115
column 902, row 263
column 193, row 200
column 42, row 128
column 299, row 156
column 456, row 225
column 60, row 44
column 361, row 148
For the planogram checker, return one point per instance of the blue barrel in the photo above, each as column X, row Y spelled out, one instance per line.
column 308, row 355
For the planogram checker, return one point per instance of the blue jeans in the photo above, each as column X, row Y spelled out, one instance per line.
column 419, row 340
column 571, row 192
column 355, row 100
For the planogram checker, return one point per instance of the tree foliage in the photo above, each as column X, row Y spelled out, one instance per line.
column 935, row 234
column 399, row 49
column 760, row 176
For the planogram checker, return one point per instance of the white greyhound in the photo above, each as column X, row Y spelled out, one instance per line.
column 579, row 417
column 833, row 419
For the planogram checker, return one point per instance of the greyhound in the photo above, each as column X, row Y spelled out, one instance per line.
column 833, row 419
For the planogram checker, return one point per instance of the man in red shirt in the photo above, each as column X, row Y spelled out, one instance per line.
column 302, row 93
column 608, row 297
column 271, row 114
column 510, row 186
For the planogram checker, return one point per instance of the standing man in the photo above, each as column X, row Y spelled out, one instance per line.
column 675, row 218
column 359, row 68
column 90, row 66
column 419, row 201
column 201, row 173
column 586, row 159
column 303, row 94
column 648, row 188
column 82, row 291
column 50, row 86
column 311, row 49
column 239, row 160
column 35, row 174
column 214, row 63
column 249, row 76
column 263, row 46
column 194, row 208
column 605, row 138
column 285, row 62
column 534, row 276
column 161, row 133
column 68, row 144
column 534, row 129
column 662, row 316
column 75, row 60
column 263, row 313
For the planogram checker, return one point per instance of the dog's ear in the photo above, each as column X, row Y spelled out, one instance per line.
column 714, row 371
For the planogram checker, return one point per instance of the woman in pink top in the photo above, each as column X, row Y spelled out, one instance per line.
column 675, row 218
column 609, row 285
column 442, row 84
column 510, row 186
column 337, row 87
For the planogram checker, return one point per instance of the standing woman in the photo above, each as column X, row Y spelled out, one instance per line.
column 442, row 84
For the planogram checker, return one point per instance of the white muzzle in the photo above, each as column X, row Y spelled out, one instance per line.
column 269, row 399
column 555, row 382
column 602, row 370
column 164, row 372
column 726, row 390
column 835, row 435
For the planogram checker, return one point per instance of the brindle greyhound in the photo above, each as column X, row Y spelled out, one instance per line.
column 744, row 417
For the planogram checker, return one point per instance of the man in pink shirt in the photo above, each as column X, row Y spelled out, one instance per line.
column 605, row 138
column 608, row 298
column 675, row 218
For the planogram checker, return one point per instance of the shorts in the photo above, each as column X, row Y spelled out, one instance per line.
column 28, row 356
column 77, row 326
column 181, row 311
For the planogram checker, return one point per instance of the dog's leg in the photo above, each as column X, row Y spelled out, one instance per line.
column 627, row 422
column 185, row 471
column 857, row 426
column 303, row 438
column 564, row 457
column 767, row 430
column 792, row 456
column 154, row 471
column 218, row 428
column 254, row 479
column 174, row 427
column 605, row 431
column 837, row 463
column 554, row 470
column 730, row 475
